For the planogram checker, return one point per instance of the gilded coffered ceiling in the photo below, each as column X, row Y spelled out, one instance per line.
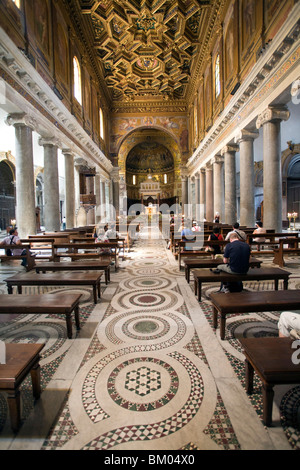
column 148, row 49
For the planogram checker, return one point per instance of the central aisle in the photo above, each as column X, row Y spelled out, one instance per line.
column 147, row 371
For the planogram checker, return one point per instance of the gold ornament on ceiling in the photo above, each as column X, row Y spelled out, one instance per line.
column 148, row 49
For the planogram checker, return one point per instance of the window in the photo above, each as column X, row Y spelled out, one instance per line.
column 165, row 179
column 17, row 3
column 133, row 179
column 77, row 80
column 101, row 124
column 217, row 77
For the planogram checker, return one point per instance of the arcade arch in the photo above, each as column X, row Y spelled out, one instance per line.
column 150, row 151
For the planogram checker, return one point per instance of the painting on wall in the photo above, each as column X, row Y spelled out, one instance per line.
column 176, row 125
column 41, row 30
column 248, row 18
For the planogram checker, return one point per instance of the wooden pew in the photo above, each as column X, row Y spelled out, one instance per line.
column 28, row 255
column 271, row 241
column 287, row 247
column 91, row 279
column 255, row 274
column 45, row 304
column 41, row 247
column 246, row 302
column 197, row 252
column 91, row 250
column 190, row 264
column 55, row 266
column 21, row 360
column 271, row 359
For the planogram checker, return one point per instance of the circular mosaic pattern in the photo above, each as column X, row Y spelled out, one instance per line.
column 148, row 283
column 148, row 272
column 251, row 329
column 141, row 378
column 290, row 416
column 146, row 328
column 147, row 299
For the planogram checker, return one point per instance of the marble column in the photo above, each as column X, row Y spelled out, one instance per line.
column 25, row 184
column 107, row 199
column 218, row 185
column 51, row 184
column 229, row 152
column 202, row 194
column 245, row 139
column 69, row 188
column 270, row 121
column 197, row 196
column 90, row 189
column 98, row 198
column 103, row 198
column 209, row 193
column 115, row 177
column 184, row 191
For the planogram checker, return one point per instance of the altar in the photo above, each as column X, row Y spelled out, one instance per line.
column 150, row 195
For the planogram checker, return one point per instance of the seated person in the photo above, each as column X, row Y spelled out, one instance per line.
column 215, row 236
column 259, row 229
column 289, row 324
column 13, row 239
column 187, row 234
column 236, row 261
column 196, row 227
column 111, row 233
column 242, row 236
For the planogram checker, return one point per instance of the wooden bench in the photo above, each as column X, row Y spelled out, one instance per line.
column 199, row 252
column 57, row 279
column 28, row 255
column 271, row 241
column 41, row 247
column 271, row 359
column 246, row 302
column 91, row 250
column 287, row 247
column 210, row 263
column 54, row 304
column 255, row 274
column 21, row 359
column 55, row 266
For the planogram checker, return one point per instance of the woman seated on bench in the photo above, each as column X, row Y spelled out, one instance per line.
column 13, row 239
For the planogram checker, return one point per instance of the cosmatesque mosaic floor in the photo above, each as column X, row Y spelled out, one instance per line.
column 146, row 371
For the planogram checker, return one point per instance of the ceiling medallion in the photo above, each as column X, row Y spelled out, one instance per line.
column 146, row 22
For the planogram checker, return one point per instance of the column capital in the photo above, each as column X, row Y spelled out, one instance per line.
column 218, row 159
column 197, row 175
column 245, row 134
column 231, row 148
column 272, row 114
column 50, row 141
column 21, row 119
column 68, row 152
column 183, row 172
column 115, row 175
column 209, row 166
column 202, row 171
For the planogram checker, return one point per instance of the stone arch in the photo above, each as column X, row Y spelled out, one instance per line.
column 162, row 136
column 290, row 159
